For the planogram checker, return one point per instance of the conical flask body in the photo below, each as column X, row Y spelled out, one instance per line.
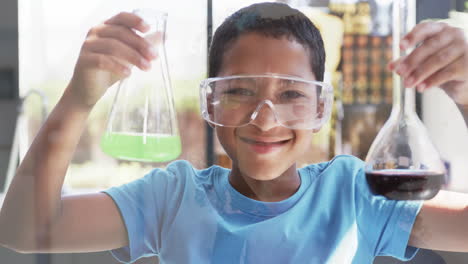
column 142, row 124
column 402, row 163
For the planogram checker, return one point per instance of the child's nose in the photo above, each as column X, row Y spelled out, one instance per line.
column 265, row 119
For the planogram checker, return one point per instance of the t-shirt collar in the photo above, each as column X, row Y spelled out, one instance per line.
column 228, row 194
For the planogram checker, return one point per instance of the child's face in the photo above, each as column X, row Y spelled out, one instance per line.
column 253, row 53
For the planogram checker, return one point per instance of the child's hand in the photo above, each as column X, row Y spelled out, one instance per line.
column 108, row 53
column 441, row 59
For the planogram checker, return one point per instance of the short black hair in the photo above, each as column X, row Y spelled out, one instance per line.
column 272, row 20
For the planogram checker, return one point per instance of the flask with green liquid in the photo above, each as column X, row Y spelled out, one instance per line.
column 142, row 124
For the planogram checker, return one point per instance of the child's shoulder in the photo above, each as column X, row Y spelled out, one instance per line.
column 175, row 171
column 347, row 161
column 185, row 169
column 180, row 174
column 340, row 164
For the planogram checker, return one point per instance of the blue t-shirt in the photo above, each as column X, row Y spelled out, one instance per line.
column 185, row 215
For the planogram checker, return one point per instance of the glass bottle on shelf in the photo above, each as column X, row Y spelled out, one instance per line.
column 142, row 124
column 402, row 163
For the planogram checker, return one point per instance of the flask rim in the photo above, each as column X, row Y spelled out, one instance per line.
column 150, row 15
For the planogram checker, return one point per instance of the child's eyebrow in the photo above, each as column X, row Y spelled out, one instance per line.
column 245, row 81
column 292, row 83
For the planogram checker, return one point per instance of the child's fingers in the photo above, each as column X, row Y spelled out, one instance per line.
column 129, row 20
column 154, row 38
column 420, row 33
column 420, row 70
column 104, row 62
column 129, row 37
column 422, row 53
column 117, row 49
column 417, row 35
column 394, row 64
column 450, row 73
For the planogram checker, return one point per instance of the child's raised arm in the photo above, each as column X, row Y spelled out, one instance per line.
column 440, row 59
column 35, row 217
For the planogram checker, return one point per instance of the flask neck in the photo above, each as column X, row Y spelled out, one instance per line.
column 404, row 19
column 157, row 22
column 403, row 98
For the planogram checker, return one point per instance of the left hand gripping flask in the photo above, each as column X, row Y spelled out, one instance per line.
column 142, row 124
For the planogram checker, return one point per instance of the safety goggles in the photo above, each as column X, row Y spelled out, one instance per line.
column 235, row 101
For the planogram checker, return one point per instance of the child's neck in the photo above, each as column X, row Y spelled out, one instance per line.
column 274, row 190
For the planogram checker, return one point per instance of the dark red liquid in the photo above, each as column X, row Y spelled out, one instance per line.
column 405, row 184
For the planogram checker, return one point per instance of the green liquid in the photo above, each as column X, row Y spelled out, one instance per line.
column 128, row 146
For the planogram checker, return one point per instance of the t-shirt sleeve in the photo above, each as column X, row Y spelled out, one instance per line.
column 385, row 224
column 142, row 204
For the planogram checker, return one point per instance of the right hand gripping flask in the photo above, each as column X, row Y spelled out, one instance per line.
column 142, row 124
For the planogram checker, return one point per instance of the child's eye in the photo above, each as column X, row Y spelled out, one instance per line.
column 292, row 95
column 239, row 91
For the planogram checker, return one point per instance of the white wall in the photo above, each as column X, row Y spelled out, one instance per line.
column 449, row 133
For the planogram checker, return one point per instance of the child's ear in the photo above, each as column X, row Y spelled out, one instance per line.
column 209, row 108
column 320, row 108
column 320, row 113
column 209, row 105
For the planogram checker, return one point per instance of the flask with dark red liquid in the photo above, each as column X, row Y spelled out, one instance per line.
column 402, row 163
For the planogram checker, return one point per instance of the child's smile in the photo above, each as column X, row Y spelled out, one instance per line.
column 264, row 145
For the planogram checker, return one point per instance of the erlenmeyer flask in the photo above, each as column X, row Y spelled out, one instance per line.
column 142, row 124
column 402, row 163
